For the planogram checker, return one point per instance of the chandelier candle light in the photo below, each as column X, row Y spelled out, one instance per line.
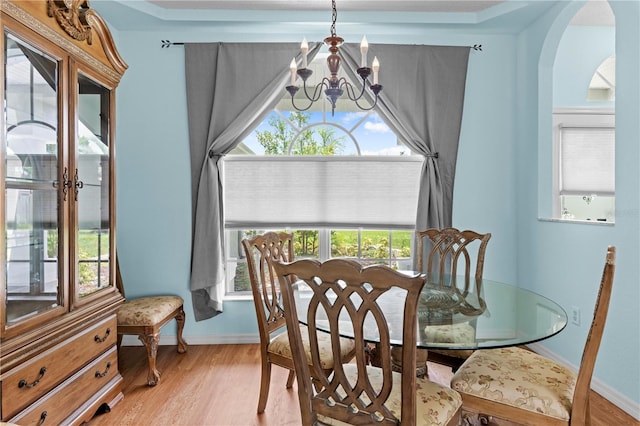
column 334, row 86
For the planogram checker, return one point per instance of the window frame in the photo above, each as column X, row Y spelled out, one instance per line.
column 350, row 129
column 324, row 250
column 575, row 118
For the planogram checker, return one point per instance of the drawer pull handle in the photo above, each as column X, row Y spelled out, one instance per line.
column 22, row 383
column 43, row 417
column 99, row 339
column 104, row 373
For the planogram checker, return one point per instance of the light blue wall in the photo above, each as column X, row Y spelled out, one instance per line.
column 153, row 200
column 564, row 261
column 581, row 50
column 496, row 186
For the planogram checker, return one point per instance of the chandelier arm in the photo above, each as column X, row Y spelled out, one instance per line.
column 293, row 102
column 375, row 102
column 351, row 91
column 317, row 91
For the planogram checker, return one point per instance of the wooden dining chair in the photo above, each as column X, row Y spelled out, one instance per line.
column 144, row 317
column 261, row 251
column 344, row 293
column 517, row 385
column 445, row 255
column 450, row 248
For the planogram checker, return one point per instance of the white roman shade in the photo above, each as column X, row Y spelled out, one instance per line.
column 587, row 160
column 316, row 191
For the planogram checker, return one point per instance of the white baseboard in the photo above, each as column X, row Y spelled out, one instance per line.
column 612, row 395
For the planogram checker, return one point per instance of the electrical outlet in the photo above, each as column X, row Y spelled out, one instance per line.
column 575, row 315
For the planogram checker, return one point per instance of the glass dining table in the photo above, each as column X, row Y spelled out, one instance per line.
column 476, row 315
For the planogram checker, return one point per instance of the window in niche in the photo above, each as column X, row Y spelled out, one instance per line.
column 584, row 178
column 603, row 83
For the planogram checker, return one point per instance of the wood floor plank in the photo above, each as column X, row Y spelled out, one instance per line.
column 218, row 385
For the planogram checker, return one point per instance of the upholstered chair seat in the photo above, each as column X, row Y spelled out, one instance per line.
column 461, row 333
column 279, row 345
column 519, row 378
column 148, row 310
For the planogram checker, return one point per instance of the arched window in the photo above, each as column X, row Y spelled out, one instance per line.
column 341, row 182
column 603, row 83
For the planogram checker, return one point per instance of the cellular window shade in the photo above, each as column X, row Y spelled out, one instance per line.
column 314, row 191
column 587, row 161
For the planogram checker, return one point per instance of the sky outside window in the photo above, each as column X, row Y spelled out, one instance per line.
column 348, row 122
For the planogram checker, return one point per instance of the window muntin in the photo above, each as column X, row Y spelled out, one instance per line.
column 358, row 133
column 370, row 246
column 392, row 248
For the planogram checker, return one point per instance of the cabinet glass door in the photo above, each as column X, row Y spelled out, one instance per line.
column 31, row 217
column 92, row 186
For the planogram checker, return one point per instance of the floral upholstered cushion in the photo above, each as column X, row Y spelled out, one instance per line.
column 520, row 378
column 462, row 333
column 435, row 404
column 280, row 345
column 147, row 310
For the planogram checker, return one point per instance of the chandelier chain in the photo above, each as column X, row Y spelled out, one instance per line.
column 334, row 17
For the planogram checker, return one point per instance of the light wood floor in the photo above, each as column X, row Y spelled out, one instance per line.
column 219, row 385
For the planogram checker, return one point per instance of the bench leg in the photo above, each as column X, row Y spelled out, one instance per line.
column 150, row 341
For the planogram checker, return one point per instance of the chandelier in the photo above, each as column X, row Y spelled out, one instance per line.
column 334, row 87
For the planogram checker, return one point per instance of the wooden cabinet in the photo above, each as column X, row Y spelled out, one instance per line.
column 58, row 331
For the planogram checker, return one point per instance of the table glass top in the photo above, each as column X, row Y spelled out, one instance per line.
column 488, row 314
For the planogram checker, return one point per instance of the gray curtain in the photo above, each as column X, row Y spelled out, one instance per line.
column 422, row 100
column 231, row 88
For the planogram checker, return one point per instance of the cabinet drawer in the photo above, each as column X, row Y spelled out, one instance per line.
column 31, row 380
column 55, row 407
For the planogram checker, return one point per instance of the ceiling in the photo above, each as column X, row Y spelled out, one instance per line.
column 492, row 15
column 457, row 6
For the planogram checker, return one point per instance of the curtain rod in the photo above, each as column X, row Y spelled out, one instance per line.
column 167, row 44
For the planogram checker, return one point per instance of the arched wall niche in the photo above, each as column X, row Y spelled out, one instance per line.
column 579, row 40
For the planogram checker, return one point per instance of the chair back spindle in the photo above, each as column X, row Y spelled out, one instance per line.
column 261, row 251
column 447, row 249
